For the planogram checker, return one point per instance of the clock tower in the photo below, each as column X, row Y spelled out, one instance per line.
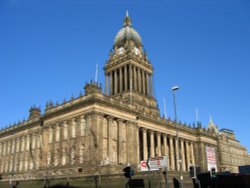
column 128, row 71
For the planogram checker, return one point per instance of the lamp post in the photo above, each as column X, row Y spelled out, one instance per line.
column 179, row 161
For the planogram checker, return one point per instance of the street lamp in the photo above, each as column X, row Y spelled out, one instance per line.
column 174, row 89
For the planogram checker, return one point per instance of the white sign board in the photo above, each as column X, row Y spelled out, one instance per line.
column 211, row 158
column 154, row 163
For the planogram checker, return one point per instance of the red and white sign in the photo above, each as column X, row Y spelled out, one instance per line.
column 154, row 163
column 211, row 158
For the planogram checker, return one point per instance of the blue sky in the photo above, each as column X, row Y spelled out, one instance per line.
column 49, row 49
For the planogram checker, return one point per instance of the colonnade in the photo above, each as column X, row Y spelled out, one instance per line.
column 126, row 78
column 159, row 144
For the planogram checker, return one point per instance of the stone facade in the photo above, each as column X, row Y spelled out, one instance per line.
column 103, row 132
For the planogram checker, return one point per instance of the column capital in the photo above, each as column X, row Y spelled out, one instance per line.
column 158, row 133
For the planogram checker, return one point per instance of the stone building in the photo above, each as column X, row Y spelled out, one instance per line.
column 102, row 132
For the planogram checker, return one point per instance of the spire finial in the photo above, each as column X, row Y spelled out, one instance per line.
column 127, row 20
column 211, row 119
column 127, row 13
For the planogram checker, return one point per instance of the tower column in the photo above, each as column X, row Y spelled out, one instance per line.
column 139, row 80
column 116, row 82
column 151, row 86
column 125, row 78
column 143, row 82
column 130, row 78
column 106, row 84
column 135, row 78
column 111, row 83
column 120, row 76
column 147, row 87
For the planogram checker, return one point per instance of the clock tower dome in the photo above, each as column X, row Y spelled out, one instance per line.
column 128, row 71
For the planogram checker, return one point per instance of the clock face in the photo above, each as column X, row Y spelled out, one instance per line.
column 120, row 50
column 136, row 50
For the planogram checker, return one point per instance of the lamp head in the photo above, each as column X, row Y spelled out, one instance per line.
column 175, row 88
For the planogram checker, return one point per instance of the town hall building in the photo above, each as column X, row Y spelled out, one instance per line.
column 105, row 129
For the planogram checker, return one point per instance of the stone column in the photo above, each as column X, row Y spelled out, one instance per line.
column 187, row 154
column 147, row 87
column 121, row 77
column 116, row 82
column 106, row 84
column 125, row 78
column 130, row 78
column 183, row 156
column 139, row 80
column 111, row 89
column 152, row 144
column 176, row 153
column 158, row 144
column 143, row 82
column 171, row 148
column 192, row 153
column 165, row 146
column 145, row 144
